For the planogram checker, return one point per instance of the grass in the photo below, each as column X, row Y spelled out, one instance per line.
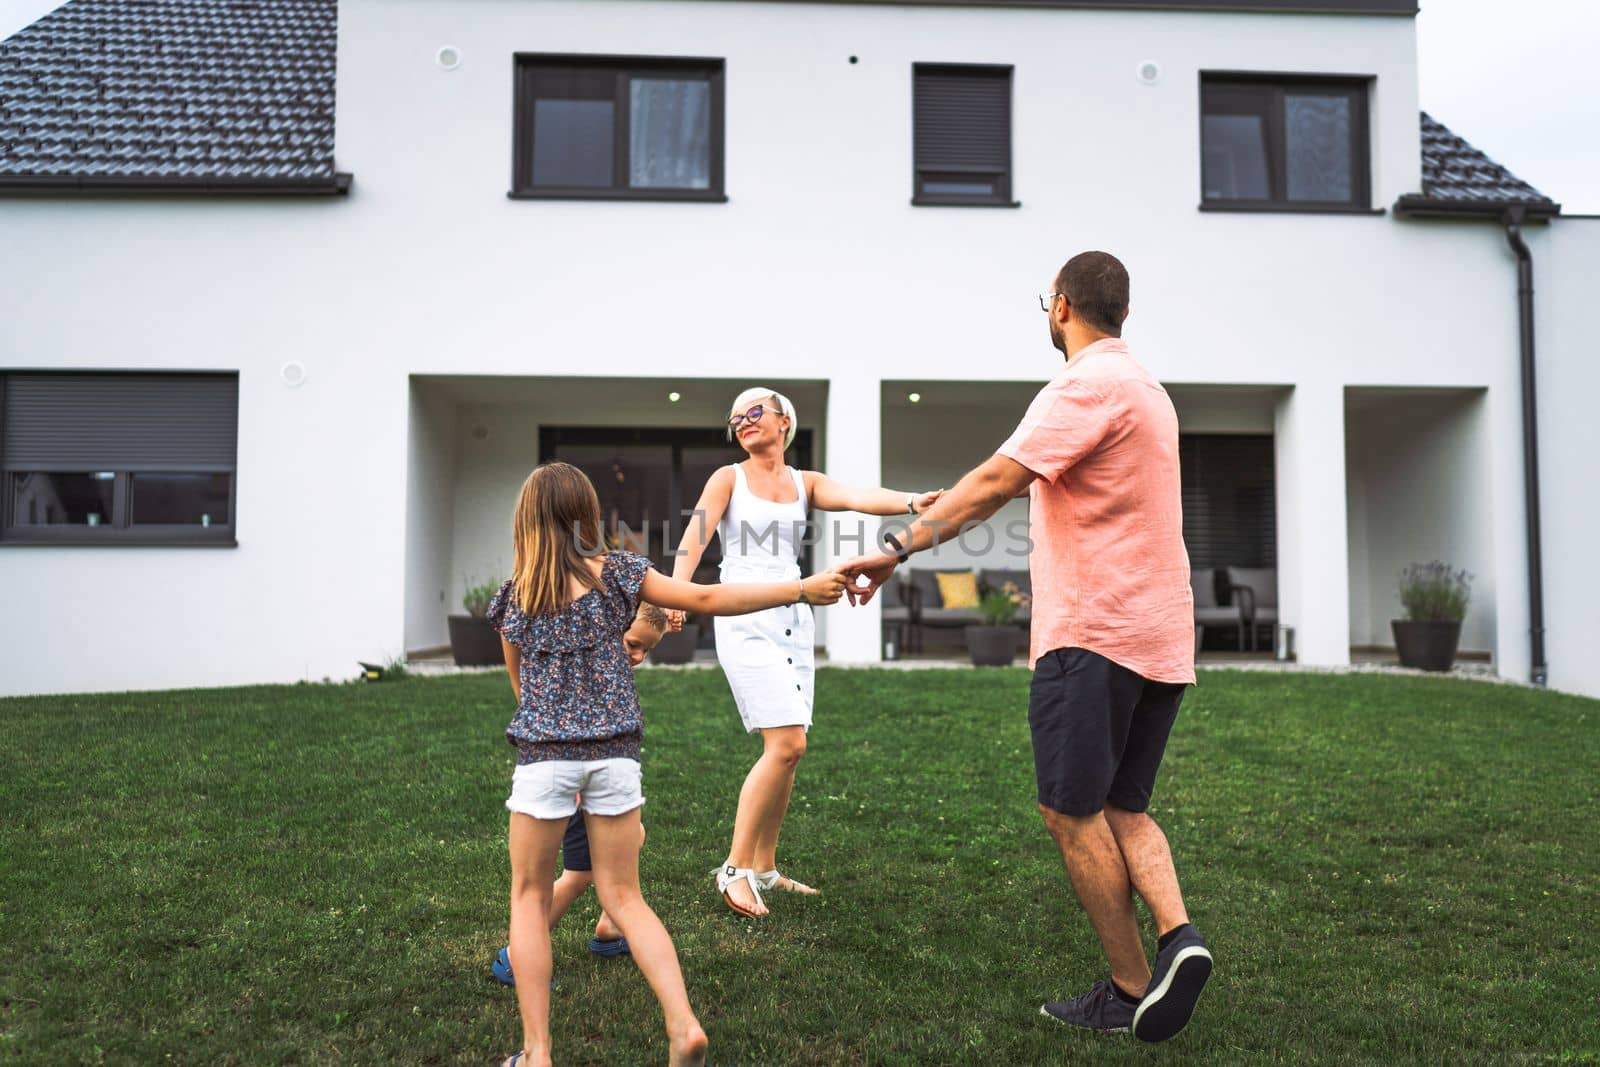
column 1389, row 870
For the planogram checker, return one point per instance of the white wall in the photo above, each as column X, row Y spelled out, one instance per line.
column 817, row 268
column 431, row 472
column 1568, row 337
column 1415, row 469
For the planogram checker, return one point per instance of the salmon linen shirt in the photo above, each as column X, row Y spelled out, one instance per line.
column 1109, row 568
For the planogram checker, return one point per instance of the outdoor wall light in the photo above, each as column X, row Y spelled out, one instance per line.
column 293, row 374
column 674, row 397
column 448, row 57
column 915, row 398
column 1149, row 71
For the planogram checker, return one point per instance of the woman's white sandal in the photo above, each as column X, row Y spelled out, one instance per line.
column 731, row 874
column 771, row 880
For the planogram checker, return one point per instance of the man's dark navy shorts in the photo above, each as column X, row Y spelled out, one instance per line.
column 575, row 845
column 1099, row 731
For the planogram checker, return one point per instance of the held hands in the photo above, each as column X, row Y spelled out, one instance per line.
column 675, row 619
column 923, row 501
column 824, row 588
column 867, row 573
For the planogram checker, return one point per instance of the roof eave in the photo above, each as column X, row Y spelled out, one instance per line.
column 1418, row 206
column 91, row 185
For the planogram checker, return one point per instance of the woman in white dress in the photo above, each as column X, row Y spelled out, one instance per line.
column 758, row 508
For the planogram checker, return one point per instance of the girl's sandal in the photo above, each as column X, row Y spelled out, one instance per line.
column 729, row 875
column 512, row 1060
column 771, row 880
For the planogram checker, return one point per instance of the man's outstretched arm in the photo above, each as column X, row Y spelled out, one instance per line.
column 980, row 493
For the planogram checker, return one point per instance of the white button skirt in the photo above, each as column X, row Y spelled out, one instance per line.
column 769, row 659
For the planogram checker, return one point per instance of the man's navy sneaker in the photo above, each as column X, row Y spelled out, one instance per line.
column 1100, row 1009
column 1181, row 971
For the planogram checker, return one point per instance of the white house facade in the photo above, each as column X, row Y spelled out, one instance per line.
column 272, row 367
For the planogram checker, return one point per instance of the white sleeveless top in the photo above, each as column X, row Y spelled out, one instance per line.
column 760, row 538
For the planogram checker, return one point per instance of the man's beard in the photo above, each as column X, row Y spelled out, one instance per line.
column 1058, row 338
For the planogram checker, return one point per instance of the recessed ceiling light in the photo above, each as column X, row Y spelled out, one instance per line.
column 448, row 57
column 674, row 397
column 915, row 398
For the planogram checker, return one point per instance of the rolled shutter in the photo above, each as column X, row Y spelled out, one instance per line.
column 148, row 422
column 962, row 119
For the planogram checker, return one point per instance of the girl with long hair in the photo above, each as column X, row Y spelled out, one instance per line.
column 578, row 728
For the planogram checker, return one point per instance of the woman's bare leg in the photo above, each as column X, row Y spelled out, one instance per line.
column 534, row 843
column 614, row 846
column 762, row 803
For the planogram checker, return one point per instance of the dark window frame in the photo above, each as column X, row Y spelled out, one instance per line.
column 1004, row 181
column 120, row 531
column 623, row 68
column 1274, row 86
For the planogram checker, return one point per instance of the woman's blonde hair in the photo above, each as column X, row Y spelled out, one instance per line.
column 555, row 527
column 746, row 399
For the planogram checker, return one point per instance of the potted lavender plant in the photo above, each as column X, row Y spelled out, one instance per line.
column 1435, row 597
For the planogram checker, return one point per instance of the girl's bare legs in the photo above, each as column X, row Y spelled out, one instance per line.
column 763, row 801
column 614, row 846
column 534, row 843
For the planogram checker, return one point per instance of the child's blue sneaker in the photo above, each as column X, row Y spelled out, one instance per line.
column 608, row 948
column 502, row 968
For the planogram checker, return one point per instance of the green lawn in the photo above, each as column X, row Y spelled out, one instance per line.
column 1389, row 869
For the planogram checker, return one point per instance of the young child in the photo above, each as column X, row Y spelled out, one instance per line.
column 577, row 873
column 577, row 731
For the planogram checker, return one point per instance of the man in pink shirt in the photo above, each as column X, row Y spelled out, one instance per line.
column 1112, row 636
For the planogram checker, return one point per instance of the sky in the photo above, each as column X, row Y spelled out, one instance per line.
column 1518, row 80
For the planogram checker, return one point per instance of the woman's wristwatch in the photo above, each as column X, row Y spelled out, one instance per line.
column 911, row 503
column 803, row 599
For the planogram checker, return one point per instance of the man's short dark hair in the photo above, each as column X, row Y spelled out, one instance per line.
column 1096, row 285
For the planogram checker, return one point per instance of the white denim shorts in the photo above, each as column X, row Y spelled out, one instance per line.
column 549, row 789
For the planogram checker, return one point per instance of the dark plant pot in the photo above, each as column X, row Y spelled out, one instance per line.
column 992, row 646
column 473, row 642
column 677, row 647
column 1428, row 646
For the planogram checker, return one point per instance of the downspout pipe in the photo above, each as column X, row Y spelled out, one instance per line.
column 1513, row 220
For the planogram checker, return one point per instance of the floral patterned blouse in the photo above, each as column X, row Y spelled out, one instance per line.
column 576, row 699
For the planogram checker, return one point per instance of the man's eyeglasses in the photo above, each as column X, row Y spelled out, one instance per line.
column 1047, row 301
column 753, row 415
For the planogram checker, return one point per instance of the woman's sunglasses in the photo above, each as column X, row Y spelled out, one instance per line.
column 753, row 415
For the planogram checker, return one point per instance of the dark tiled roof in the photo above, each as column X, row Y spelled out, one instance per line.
column 180, row 94
column 1458, row 177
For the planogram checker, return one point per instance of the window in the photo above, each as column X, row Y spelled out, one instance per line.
column 1284, row 144
column 961, row 133
column 617, row 127
column 118, row 458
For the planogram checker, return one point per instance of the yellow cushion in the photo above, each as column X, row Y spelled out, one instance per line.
column 958, row 589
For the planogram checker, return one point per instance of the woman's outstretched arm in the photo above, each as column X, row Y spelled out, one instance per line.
column 829, row 495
